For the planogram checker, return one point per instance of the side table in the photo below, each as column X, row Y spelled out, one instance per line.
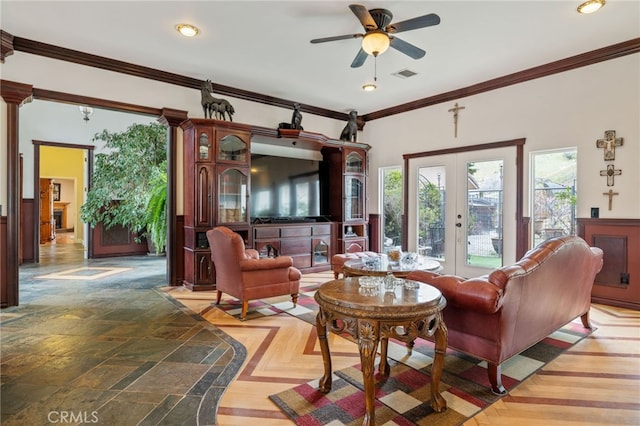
column 373, row 315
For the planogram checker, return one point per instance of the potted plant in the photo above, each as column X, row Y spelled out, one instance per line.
column 156, row 212
column 121, row 183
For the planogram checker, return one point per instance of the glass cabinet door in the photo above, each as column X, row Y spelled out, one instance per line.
column 204, row 146
column 320, row 252
column 232, row 148
column 354, row 198
column 232, row 196
column 354, row 163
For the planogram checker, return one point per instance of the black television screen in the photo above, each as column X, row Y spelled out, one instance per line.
column 284, row 187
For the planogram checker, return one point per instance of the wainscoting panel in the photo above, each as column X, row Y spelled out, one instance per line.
column 618, row 283
column 28, row 237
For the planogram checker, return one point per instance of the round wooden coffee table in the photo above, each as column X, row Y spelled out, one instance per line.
column 374, row 315
column 357, row 267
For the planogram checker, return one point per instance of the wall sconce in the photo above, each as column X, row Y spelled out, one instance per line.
column 87, row 111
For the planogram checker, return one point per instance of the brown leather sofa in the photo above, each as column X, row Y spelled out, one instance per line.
column 242, row 274
column 497, row 316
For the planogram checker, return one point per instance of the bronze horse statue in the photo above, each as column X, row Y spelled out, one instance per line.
column 212, row 106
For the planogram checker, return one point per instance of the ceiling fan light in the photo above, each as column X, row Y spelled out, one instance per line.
column 591, row 6
column 375, row 42
column 187, row 30
column 369, row 87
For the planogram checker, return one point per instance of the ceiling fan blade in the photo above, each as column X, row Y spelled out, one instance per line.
column 334, row 38
column 414, row 23
column 361, row 56
column 407, row 48
column 364, row 16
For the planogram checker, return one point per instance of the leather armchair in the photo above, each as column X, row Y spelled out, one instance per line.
column 242, row 274
column 496, row 316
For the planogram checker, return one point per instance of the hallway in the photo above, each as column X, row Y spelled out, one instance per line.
column 95, row 340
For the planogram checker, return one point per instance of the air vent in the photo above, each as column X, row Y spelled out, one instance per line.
column 405, row 73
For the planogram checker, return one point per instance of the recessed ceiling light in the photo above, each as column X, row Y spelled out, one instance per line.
column 369, row 87
column 591, row 6
column 187, row 30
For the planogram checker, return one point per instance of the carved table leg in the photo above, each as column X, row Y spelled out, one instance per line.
column 438, row 403
column 383, row 367
column 368, row 336
column 321, row 329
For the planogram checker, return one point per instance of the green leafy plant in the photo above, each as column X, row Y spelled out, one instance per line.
column 156, row 212
column 121, row 182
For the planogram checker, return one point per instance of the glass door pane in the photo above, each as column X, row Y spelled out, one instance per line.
column 484, row 213
column 232, row 196
column 431, row 211
column 231, row 147
column 354, row 201
column 391, row 200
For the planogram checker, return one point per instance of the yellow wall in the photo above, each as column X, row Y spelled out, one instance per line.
column 66, row 163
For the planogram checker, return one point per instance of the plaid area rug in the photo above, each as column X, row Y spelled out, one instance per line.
column 403, row 398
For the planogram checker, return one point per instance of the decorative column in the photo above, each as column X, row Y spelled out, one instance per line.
column 172, row 119
column 14, row 94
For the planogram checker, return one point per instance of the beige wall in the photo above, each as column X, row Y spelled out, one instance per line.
column 562, row 110
column 570, row 109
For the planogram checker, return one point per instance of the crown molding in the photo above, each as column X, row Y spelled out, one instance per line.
column 69, row 55
column 589, row 58
column 55, row 52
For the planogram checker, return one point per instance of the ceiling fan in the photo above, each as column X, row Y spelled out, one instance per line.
column 379, row 33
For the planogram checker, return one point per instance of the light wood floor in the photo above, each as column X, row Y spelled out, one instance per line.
column 596, row 382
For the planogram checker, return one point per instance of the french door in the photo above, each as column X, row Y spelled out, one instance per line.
column 462, row 209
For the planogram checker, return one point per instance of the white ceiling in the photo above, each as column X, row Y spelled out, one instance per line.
column 263, row 46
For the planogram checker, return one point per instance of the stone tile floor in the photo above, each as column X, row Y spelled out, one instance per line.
column 94, row 341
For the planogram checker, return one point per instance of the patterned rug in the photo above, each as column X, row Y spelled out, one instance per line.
column 403, row 397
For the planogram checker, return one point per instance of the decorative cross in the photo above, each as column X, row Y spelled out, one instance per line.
column 610, row 194
column 455, row 110
column 609, row 144
column 610, row 173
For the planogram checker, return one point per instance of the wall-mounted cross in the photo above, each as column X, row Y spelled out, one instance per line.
column 455, row 110
column 609, row 144
column 610, row 194
column 610, row 173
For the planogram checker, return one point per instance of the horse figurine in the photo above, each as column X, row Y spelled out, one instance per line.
column 212, row 106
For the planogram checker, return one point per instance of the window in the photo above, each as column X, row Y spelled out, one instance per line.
column 553, row 201
column 391, row 206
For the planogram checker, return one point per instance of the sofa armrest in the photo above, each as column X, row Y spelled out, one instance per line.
column 294, row 274
column 265, row 263
column 251, row 254
column 476, row 294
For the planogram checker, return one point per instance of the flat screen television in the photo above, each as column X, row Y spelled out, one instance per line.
column 283, row 187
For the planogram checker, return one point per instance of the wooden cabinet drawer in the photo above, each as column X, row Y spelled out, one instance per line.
column 321, row 229
column 302, row 261
column 270, row 232
column 296, row 231
column 295, row 246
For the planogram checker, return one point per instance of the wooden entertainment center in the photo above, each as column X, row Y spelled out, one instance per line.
column 217, row 192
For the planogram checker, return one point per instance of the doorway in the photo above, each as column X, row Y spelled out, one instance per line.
column 62, row 173
column 465, row 207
